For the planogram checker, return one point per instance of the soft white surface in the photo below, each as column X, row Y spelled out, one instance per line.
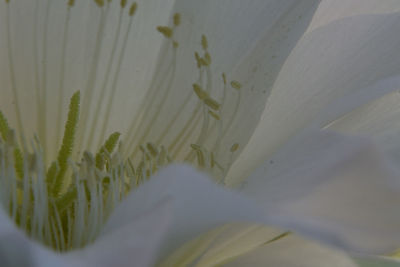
column 330, row 63
column 338, row 189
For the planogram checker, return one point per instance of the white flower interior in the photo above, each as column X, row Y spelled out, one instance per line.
column 61, row 185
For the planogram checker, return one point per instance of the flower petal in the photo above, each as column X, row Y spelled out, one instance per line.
column 135, row 243
column 293, row 251
column 222, row 244
column 18, row 250
column 337, row 189
column 377, row 262
column 331, row 10
column 197, row 205
column 329, row 63
column 377, row 118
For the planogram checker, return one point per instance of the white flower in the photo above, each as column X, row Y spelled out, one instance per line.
column 245, row 103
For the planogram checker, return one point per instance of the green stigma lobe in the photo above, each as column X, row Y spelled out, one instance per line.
column 67, row 144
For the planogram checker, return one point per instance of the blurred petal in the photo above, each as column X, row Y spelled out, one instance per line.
column 377, row 262
column 293, row 251
column 329, row 63
column 197, row 205
column 17, row 250
column 134, row 244
column 222, row 244
column 337, row 189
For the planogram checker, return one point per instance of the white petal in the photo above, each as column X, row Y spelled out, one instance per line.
column 222, row 244
column 293, row 251
column 377, row 118
column 17, row 250
column 134, row 244
column 329, row 63
column 337, row 189
column 197, row 204
column 331, row 10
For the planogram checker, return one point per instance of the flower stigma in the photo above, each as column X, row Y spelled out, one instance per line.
column 62, row 197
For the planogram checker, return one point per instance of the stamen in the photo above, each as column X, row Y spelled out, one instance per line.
column 212, row 103
column 166, row 31
column 12, row 77
column 236, row 85
column 90, row 83
column 62, row 72
column 177, row 19
column 202, row 95
column 106, row 78
column 117, row 72
column 204, row 42
column 65, row 204
column 43, row 113
column 4, row 128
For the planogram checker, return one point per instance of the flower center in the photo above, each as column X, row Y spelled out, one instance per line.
column 62, row 200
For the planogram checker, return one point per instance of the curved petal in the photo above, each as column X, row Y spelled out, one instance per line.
column 197, row 205
column 377, row 118
column 222, row 244
column 17, row 250
column 134, row 244
column 293, row 251
column 137, row 242
column 331, row 10
column 337, row 189
column 329, row 63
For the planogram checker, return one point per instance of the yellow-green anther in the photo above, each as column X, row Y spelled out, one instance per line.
column 71, row 3
column 18, row 162
column 236, row 85
column 4, row 129
column 204, row 42
column 108, row 146
column 214, row 115
column 195, row 146
column 152, row 149
column 197, row 57
column 66, row 200
column 200, row 158
column 212, row 103
column 177, row 19
column 100, row 3
column 68, row 141
column 224, row 78
column 207, row 58
column 201, row 94
column 51, row 173
column 166, row 31
column 133, row 8
column 234, row 147
column 123, row 3
column 112, row 141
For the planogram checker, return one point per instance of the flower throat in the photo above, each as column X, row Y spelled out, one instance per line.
column 65, row 202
